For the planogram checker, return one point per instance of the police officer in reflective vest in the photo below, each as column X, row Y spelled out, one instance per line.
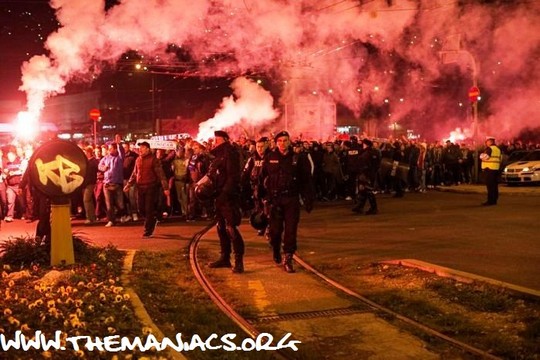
column 491, row 163
column 286, row 176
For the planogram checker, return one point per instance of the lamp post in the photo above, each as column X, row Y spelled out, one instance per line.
column 153, row 98
column 449, row 56
column 474, row 103
column 447, row 60
column 475, row 115
column 156, row 104
column 95, row 115
column 140, row 67
column 154, row 120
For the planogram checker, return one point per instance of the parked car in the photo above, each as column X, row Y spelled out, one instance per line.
column 515, row 156
column 524, row 171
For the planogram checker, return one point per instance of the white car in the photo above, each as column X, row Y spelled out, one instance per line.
column 524, row 171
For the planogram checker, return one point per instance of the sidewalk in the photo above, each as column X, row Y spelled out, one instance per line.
column 503, row 189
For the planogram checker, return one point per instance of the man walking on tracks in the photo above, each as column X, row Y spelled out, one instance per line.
column 148, row 174
column 491, row 163
column 286, row 176
column 225, row 171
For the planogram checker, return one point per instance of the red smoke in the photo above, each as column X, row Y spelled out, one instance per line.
column 385, row 54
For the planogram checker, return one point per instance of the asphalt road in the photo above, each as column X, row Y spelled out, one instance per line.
column 443, row 228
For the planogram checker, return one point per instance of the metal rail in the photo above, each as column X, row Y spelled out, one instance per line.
column 252, row 331
column 238, row 319
column 408, row 321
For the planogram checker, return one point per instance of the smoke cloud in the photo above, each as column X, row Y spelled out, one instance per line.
column 252, row 108
column 391, row 61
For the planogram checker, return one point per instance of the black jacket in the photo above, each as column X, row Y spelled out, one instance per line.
column 288, row 175
column 91, row 171
column 225, row 171
column 252, row 169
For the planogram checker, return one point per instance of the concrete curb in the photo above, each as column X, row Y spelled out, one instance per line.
column 463, row 276
column 481, row 189
column 461, row 191
column 138, row 306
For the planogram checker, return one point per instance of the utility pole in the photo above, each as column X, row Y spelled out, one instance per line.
column 153, row 98
column 452, row 52
column 95, row 115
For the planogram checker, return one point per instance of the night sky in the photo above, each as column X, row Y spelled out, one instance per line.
column 24, row 27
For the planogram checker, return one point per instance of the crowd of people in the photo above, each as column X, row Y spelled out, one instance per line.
column 268, row 180
column 393, row 166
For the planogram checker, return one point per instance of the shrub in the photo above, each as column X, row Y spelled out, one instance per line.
column 23, row 252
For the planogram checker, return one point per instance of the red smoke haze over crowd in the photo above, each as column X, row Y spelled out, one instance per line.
column 412, row 59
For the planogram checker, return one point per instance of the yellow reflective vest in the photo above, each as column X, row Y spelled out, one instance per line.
column 494, row 161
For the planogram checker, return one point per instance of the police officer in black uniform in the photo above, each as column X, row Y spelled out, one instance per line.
column 225, row 171
column 369, row 158
column 286, row 176
column 352, row 167
column 251, row 174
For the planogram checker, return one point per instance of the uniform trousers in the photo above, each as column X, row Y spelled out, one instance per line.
column 492, row 185
column 228, row 217
column 284, row 219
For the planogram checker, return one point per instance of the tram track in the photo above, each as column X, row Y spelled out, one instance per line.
column 362, row 304
column 379, row 308
column 203, row 280
column 222, row 304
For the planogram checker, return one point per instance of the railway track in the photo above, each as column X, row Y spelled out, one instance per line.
column 363, row 304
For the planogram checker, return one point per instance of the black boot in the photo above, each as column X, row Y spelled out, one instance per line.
column 224, row 261
column 287, row 263
column 238, row 264
column 277, row 255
